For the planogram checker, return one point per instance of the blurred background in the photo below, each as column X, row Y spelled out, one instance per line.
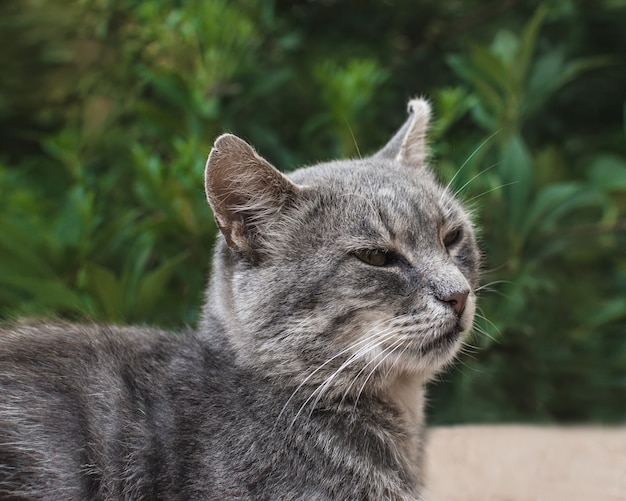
column 108, row 109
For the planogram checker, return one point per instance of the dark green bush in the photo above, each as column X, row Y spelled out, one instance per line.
column 108, row 109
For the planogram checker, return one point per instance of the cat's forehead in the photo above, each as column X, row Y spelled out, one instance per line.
column 381, row 200
column 371, row 173
column 377, row 184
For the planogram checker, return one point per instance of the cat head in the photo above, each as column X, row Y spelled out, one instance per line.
column 365, row 265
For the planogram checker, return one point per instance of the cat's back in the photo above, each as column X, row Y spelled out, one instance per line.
column 62, row 354
column 97, row 411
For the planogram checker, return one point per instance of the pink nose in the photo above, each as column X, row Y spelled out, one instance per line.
column 456, row 300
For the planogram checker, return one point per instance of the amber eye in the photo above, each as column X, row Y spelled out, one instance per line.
column 452, row 237
column 374, row 257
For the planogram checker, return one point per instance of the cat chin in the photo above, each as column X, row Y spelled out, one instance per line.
column 436, row 353
column 441, row 350
column 420, row 346
column 425, row 359
column 425, row 365
column 445, row 345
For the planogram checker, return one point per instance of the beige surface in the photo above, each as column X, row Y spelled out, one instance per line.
column 524, row 463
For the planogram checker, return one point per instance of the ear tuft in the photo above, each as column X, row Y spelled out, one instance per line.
column 414, row 149
column 245, row 192
column 409, row 144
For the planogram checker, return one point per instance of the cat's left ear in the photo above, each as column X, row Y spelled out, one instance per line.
column 245, row 192
column 409, row 144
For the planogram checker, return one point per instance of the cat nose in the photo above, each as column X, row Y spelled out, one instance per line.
column 456, row 300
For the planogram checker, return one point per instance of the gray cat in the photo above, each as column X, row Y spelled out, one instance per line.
column 336, row 293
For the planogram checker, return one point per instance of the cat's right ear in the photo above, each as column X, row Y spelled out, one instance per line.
column 409, row 144
column 245, row 192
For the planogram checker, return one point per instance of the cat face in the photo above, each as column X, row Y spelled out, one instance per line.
column 400, row 259
column 355, row 267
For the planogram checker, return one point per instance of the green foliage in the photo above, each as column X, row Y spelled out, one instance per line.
column 553, row 242
column 108, row 109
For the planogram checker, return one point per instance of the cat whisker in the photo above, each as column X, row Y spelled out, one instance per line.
column 319, row 391
column 481, row 314
column 391, row 366
column 320, row 367
column 358, row 151
column 363, row 369
column 483, row 332
column 467, row 183
column 488, row 285
column 463, row 369
column 392, row 350
column 500, row 293
column 383, row 334
column 500, row 186
column 468, row 349
column 476, row 150
column 360, row 352
column 356, row 356
column 497, row 268
column 494, row 291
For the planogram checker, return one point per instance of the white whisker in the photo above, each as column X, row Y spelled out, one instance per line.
column 469, row 201
column 352, row 358
column 391, row 349
column 488, row 285
column 483, row 332
column 358, row 374
column 476, row 150
column 487, row 169
column 320, row 367
column 356, row 356
column 358, row 151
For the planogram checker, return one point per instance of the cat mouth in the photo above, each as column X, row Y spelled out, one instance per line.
column 443, row 341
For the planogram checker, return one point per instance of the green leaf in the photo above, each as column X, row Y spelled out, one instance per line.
column 506, row 46
column 527, row 45
column 52, row 293
column 487, row 65
column 471, row 70
column 611, row 311
column 608, row 172
column 108, row 289
column 152, row 285
column 567, row 203
column 452, row 103
column 548, row 199
column 516, row 173
column 551, row 72
column 20, row 249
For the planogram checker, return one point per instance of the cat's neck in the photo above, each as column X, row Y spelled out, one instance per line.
column 217, row 313
column 406, row 394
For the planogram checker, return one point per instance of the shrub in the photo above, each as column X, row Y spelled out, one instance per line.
column 109, row 108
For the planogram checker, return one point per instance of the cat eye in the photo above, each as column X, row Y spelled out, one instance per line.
column 374, row 257
column 452, row 237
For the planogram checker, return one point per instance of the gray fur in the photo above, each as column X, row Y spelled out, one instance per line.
column 304, row 379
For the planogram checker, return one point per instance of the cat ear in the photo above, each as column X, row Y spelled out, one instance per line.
column 408, row 145
column 244, row 191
